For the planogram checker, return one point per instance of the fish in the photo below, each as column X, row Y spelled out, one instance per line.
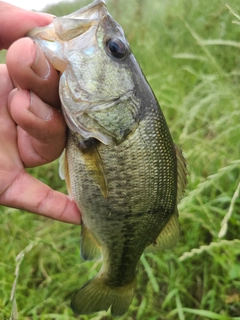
column 120, row 164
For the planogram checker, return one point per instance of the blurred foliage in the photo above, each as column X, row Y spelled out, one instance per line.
column 189, row 52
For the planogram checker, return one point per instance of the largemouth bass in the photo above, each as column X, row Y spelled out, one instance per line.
column 121, row 165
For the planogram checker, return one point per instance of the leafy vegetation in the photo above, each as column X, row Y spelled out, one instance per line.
column 189, row 52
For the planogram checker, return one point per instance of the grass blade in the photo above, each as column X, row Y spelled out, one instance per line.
column 224, row 224
column 150, row 274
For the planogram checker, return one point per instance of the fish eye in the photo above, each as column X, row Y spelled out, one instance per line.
column 117, row 48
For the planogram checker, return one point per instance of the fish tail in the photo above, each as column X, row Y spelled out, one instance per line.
column 96, row 295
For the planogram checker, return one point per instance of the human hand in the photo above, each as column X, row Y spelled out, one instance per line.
column 32, row 130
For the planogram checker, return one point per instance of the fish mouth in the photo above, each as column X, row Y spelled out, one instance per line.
column 73, row 25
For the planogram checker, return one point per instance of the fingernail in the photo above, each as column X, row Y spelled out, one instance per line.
column 39, row 108
column 41, row 66
column 44, row 14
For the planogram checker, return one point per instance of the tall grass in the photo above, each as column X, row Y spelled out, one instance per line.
column 190, row 54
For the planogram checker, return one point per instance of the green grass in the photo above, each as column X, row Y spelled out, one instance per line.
column 190, row 53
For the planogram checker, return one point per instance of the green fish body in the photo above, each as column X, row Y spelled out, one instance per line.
column 121, row 165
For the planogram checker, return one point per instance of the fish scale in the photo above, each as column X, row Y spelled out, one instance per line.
column 121, row 166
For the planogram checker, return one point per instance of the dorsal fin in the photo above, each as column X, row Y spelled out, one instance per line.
column 168, row 237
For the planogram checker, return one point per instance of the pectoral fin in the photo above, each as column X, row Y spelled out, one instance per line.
column 168, row 237
column 94, row 164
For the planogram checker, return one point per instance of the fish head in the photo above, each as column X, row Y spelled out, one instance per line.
column 90, row 50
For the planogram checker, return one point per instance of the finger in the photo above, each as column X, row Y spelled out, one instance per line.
column 40, row 199
column 41, row 131
column 32, row 71
column 16, row 22
column 6, row 85
column 8, row 137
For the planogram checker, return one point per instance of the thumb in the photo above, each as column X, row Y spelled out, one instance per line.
column 16, row 22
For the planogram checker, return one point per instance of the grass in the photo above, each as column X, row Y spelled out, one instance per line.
column 189, row 52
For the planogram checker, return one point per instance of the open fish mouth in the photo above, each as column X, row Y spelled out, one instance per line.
column 70, row 26
column 67, row 28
